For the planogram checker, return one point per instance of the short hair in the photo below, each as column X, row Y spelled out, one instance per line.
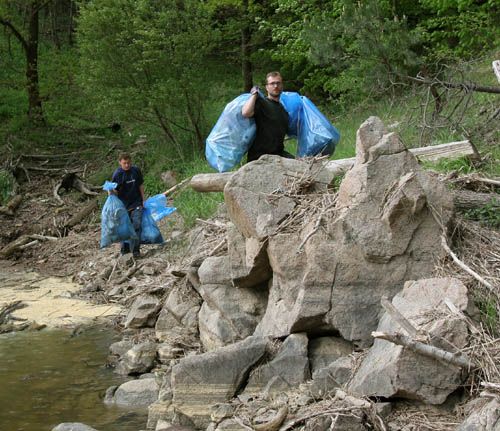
column 124, row 156
column 273, row 74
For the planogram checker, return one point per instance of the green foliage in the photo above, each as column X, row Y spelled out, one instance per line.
column 462, row 165
column 488, row 215
column 145, row 61
column 488, row 308
column 6, row 185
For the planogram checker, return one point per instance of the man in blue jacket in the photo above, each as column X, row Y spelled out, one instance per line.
column 130, row 190
column 271, row 119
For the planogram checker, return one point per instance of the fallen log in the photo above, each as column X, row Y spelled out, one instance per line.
column 12, row 205
column 71, row 181
column 452, row 150
column 434, row 352
column 467, row 199
column 8, row 308
column 82, row 214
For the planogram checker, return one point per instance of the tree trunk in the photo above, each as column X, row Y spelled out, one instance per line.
column 246, row 51
column 35, row 112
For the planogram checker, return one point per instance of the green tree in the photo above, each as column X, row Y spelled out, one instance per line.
column 21, row 20
column 148, row 60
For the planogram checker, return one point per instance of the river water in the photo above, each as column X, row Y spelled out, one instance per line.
column 55, row 376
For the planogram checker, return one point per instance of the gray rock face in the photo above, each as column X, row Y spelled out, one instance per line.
column 139, row 359
column 390, row 370
column 254, row 213
column 248, row 261
column 137, row 393
column 325, row 350
column 179, row 313
column 215, row 270
column 229, row 314
column 288, row 369
column 381, row 234
column 484, row 418
column 73, row 426
column 325, row 380
column 199, row 382
column 143, row 312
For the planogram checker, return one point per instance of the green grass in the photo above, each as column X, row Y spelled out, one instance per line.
column 6, row 184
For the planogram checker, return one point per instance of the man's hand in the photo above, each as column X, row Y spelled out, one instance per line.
column 255, row 90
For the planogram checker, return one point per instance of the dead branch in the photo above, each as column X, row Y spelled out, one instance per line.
column 132, row 270
column 274, row 423
column 177, row 187
column 466, row 86
column 465, row 267
column 82, row 214
column 6, row 309
column 12, row 205
column 398, row 317
column 71, row 181
column 467, row 199
column 425, row 349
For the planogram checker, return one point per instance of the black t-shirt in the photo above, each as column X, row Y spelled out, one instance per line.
column 128, row 186
column 271, row 120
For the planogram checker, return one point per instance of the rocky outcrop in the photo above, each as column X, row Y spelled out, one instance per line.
column 201, row 381
column 391, row 370
column 382, row 233
column 143, row 312
column 485, row 416
column 136, row 393
column 139, row 359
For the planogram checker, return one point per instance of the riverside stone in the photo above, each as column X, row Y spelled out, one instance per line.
column 73, row 426
column 143, row 312
column 139, row 359
column 390, row 370
column 199, row 382
column 137, row 393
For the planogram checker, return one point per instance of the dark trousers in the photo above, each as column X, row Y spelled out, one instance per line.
column 134, row 244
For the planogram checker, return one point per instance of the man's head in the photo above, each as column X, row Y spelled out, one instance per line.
column 274, row 85
column 125, row 161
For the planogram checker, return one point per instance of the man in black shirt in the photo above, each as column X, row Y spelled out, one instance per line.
column 130, row 190
column 270, row 117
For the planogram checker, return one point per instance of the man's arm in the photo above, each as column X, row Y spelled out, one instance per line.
column 248, row 109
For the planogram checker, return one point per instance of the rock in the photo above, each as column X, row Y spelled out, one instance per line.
column 381, row 233
column 137, row 393
column 288, row 369
column 390, row 370
column 325, row 350
column 247, row 192
column 334, row 375
column 483, row 418
column 215, row 270
column 248, row 261
column 229, row 314
column 180, row 311
column 199, row 382
column 73, row 426
column 143, row 312
column 120, row 347
column 109, row 395
column 169, row 178
column 138, row 360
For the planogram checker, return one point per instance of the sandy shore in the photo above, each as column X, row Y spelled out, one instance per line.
column 49, row 300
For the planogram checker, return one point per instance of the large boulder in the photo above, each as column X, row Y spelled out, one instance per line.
column 229, row 314
column 73, row 426
column 143, row 312
column 248, row 193
column 390, row 370
column 248, row 261
column 382, row 232
column 179, row 313
column 138, row 360
column 288, row 369
column 137, row 393
column 199, row 382
column 325, row 350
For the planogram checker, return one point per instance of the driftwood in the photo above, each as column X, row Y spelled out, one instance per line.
column 452, row 150
column 398, row 317
column 82, row 214
column 177, row 187
column 71, row 181
column 457, row 359
column 467, row 199
column 274, row 423
column 12, row 205
column 6, row 309
column 23, row 242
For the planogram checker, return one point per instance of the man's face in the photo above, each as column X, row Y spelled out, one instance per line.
column 274, row 86
column 125, row 164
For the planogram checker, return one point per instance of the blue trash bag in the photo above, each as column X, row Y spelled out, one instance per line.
column 108, row 186
column 293, row 104
column 231, row 137
column 316, row 135
column 150, row 234
column 115, row 222
column 157, row 206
